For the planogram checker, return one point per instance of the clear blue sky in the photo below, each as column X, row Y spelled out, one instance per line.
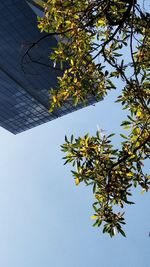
column 45, row 218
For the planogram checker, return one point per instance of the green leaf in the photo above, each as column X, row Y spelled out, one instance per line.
column 125, row 123
column 122, row 232
column 66, row 140
column 124, row 136
column 71, row 138
column 111, row 135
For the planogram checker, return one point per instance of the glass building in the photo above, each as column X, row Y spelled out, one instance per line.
column 26, row 72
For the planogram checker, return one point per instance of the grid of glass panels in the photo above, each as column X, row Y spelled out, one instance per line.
column 19, row 111
column 24, row 86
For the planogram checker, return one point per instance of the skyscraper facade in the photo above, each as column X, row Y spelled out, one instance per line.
column 26, row 72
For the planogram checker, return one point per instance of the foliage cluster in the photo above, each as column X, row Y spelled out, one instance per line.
column 94, row 37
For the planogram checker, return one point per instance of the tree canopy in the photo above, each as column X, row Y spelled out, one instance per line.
column 94, row 37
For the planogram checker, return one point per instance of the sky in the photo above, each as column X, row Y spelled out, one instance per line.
column 44, row 218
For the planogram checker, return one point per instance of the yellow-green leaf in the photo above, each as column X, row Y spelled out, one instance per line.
column 77, row 181
column 93, row 217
